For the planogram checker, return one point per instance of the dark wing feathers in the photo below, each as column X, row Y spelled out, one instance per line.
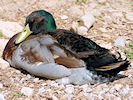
column 92, row 54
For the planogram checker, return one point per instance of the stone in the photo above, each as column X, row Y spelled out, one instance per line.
column 18, row 71
column 117, row 87
column 64, row 17
column 74, row 26
column 82, row 30
column 36, row 80
column 54, row 97
column 103, row 30
column 3, row 43
column 12, row 79
column 2, row 97
column 31, row 85
column 120, row 42
column 129, row 16
column 1, row 85
column 69, row 90
column 9, row 29
column 131, row 64
column 124, row 92
column 3, row 64
column 41, row 90
column 28, row 76
column 87, row 20
column 22, row 79
column 27, row 91
column 43, row 84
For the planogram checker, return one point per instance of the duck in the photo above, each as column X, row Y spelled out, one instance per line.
column 60, row 54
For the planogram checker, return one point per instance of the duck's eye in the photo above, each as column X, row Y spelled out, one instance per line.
column 24, row 30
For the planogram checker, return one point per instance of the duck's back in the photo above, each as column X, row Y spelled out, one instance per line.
column 80, row 44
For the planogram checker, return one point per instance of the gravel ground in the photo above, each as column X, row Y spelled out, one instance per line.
column 114, row 18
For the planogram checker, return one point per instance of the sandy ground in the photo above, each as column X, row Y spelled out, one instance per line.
column 113, row 18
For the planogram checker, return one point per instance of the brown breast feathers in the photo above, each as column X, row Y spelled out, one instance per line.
column 9, row 48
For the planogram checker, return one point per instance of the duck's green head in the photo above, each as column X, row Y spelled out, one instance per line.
column 38, row 21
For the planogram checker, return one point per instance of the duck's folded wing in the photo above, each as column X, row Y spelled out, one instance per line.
column 61, row 55
column 65, row 57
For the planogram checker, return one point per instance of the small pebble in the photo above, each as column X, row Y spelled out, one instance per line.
column 18, row 71
column 22, row 79
column 87, row 20
column 27, row 91
column 64, row 17
column 120, row 42
column 69, row 90
column 131, row 64
column 31, row 85
column 36, row 80
column 82, row 30
column 123, row 92
column 129, row 16
column 28, row 76
column 17, row 78
column 41, row 90
column 43, row 84
column 54, row 98
column 2, row 97
column 103, row 30
column 117, row 86
column 129, row 76
column 1, row 85
column 12, row 79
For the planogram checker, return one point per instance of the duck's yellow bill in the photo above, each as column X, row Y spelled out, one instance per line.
column 23, row 35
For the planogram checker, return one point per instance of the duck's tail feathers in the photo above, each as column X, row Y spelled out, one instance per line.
column 114, row 67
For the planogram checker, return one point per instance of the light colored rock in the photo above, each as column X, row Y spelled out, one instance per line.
column 28, row 76
column 9, row 28
column 2, row 97
column 3, row 43
column 64, row 17
column 74, row 26
column 117, row 86
column 103, row 30
column 43, row 84
column 18, row 71
column 12, row 79
column 3, row 64
column 82, row 30
column 69, row 90
column 55, row 98
column 86, row 88
column 27, row 91
column 31, row 85
column 1, row 85
column 41, row 90
column 101, row 1
column 118, row 98
column 131, row 64
column 17, row 78
column 22, row 79
column 129, row 16
column 36, row 80
column 123, row 92
column 120, row 42
column 53, row 83
column 87, row 20
column 129, row 76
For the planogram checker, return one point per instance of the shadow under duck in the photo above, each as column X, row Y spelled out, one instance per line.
column 58, row 53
